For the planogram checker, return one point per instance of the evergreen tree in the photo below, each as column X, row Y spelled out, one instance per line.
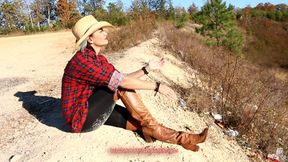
column 192, row 10
column 171, row 11
column 139, row 8
column 181, row 17
column 116, row 14
column 158, row 6
column 219, row 24
column 162, row 8
column 135, row 7
column 93, row 7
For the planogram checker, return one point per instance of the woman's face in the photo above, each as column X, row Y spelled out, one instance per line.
column 98, row 38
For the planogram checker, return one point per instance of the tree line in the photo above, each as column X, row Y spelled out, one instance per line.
column 39, row 15
column 43, row 14
column 219, row 21
column 274, row 12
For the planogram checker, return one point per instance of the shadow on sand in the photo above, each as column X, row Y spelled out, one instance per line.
column 46, row 109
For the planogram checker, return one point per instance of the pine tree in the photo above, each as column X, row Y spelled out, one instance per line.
column 192, row 10
column 158, row 6
column 181, row 17
column 88, row 7
column 162, row 8
column 219, row 24
column 139, row 8
column 171, row 11
column 116, row 15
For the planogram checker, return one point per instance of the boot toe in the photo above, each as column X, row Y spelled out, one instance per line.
column 194, row 148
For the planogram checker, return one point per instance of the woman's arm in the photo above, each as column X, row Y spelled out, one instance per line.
column 138, row 73
column 152, row 65
column 131, row 81
column 134, row 83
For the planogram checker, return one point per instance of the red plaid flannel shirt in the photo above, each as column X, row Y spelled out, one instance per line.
column 82, row 73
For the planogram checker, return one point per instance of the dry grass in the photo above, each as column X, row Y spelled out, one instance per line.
column 267, row 41
column 250, row 98
column 132, row 34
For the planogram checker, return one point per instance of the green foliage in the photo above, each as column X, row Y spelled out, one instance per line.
column 140, row 6
column 192, row 10
column 100, row 14
column 217, row 19
column 6, row 30
column 57, row 26
column 279, row 16
column 90, row 6
column 267, row 10
column 181, row 17
column 43, row 28
column 171, row 11
column 29, row 29
column 273, row 15
column 116, row 16
column 219, row 25
column 234, row 41
column 156, row 7
column 181, row 20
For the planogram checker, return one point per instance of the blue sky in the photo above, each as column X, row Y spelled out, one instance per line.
column 200, row 3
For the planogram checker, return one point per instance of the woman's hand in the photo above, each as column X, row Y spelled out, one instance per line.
column 154, row 65
column 167, row 91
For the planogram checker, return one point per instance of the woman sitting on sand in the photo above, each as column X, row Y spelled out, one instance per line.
column 91, row 86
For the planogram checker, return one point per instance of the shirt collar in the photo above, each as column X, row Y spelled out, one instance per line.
column 91, row 52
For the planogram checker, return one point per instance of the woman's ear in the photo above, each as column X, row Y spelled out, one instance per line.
column 89, row 40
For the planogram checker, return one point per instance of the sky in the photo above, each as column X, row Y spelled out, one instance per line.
column 200, row 3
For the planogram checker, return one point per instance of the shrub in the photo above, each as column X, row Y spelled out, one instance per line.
column 218, row 24
column 6, row 30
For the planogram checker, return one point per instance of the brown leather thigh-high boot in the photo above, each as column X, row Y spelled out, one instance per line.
column 133, row 124
column 152, row 129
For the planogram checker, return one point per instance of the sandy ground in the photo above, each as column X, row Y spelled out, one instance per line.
column 32, row 128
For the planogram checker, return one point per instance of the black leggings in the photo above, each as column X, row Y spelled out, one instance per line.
column 102, row 109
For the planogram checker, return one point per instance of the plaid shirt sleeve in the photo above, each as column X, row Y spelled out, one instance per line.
column 96, row 71
column 115, row 80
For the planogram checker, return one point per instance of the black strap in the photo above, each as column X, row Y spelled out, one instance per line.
column 157, row 88
column 145, row 71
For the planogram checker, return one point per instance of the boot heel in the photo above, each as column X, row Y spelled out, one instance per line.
column 147, row 138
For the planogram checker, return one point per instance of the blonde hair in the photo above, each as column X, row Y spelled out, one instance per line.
column 82, row 46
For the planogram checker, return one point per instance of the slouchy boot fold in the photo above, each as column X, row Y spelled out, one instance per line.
column 152, row 129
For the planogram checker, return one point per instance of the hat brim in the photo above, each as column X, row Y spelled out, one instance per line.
column 92, row 29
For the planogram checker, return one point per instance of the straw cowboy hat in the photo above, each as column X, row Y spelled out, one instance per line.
column 85, row 27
